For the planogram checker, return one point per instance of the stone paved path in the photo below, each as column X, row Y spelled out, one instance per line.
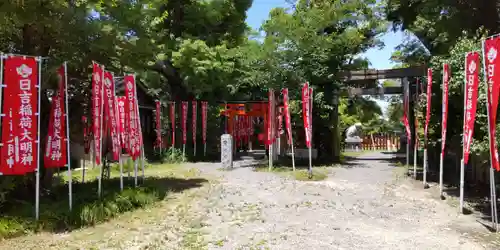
column 362, row 206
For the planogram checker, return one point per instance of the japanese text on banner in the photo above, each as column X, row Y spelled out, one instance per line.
column 19, row 124
column 490, row 55
column 184, row 112
column 132, row 122
column 195, row 107
column 111, row 119
column 97, row 109
column 471, row 89
column 55, row 152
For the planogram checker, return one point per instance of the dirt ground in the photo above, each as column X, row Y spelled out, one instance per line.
column 367, row 204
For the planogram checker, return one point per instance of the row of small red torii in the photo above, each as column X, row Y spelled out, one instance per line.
column 491, row 71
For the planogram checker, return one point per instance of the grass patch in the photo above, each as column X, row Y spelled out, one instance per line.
column 319, row 173
column 88, row 210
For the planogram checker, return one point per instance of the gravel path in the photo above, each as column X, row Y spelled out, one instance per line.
column 363, row 206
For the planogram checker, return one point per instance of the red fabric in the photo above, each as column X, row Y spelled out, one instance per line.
column 306, row 112
column 471, row 90
column 56, row 148
column 490, row 55
column 429, row 98
column 446, row 78
column 132, row 122
column 111, row 116
column 97, row 109
column 184, row 110
column 19, row 125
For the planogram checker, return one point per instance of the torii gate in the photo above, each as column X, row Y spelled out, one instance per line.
column 257, row 109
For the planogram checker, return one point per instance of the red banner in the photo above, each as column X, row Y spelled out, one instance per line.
column 86, row 136
column 490, row 52
column 56, row 148
column 306, row 112
column 286, row 111
column 184, row 111
column 110, row 113
column 429, row 98
column 122, row 118
column 195, row 109
column 172, row 121
column 470, row 103
column 311, row 100
column 97, row 109
column 204, row 113
column 158, row 124
column 132, row 122
column 444, row 121
column 406, row 107
column 19, row 124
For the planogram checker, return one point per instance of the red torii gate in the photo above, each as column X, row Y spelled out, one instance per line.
column 256, row 109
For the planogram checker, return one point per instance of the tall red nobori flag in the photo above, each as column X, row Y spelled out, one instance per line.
column 492, row 72
column 306, row 112
column 19, row 152
column 172, row 121
column 132, row 122
column 287, row 116
column 406, row 107
column 97, row 109
column 429, row 98
column 55, row 152
column 158, row 123
column 122, row 117
column 311, row 102
column 110, row 113
column 446, row 80
column 470, row 96
column 184, row 111
column 195, row 108
column 204, row 112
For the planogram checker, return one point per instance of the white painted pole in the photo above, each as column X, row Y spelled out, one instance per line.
column 101, row 111
column 492, row 177
column 140, row 129
column 121, row 172
column 117, row 117
column 415, row 159
column 441, row 173
column 135, row 173
column 494, row 188
column 425, row 167
column 37, row 174
column 310, row 135
column 293, row 154
column 462, row 173
column 68, row 141
column 83, row 169
column 204, row 149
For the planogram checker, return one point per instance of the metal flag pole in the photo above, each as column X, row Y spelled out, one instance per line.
column 415, row 141
column 310, row 134
column 37, row 191
column 101, row 111
column 140, row 132
column 462, row 162
column 492, row 177
column 70, row 181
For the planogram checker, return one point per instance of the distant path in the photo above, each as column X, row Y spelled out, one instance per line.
column 361, row 206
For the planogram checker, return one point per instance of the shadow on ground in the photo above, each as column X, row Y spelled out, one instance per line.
column 18, row 213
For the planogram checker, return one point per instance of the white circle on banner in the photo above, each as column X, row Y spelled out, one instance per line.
column 492, row 54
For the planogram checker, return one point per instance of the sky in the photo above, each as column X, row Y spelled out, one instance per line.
column 379, row 58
